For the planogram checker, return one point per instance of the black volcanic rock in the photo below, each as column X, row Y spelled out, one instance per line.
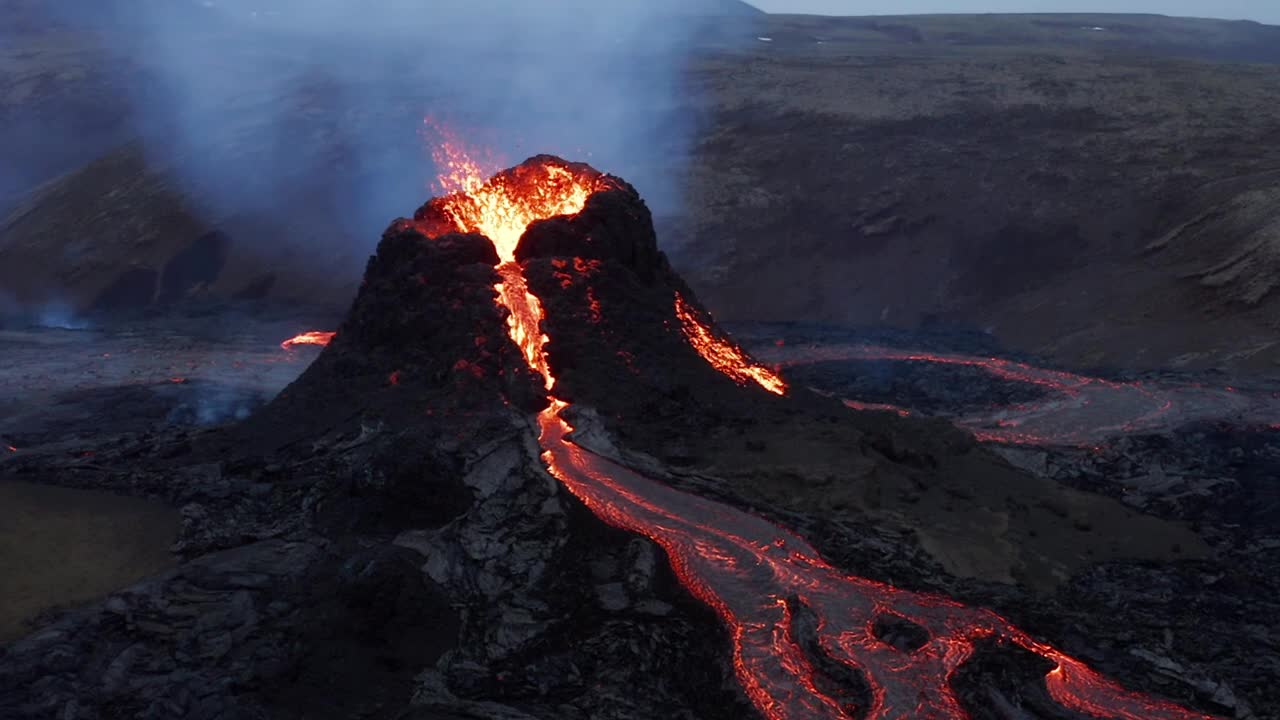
column 614, row 225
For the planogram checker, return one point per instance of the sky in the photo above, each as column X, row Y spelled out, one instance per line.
column 1266, row 11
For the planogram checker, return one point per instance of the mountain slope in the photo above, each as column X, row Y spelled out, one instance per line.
column 866, row 172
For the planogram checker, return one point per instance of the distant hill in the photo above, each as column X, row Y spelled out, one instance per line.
column 1104, row 196
column 1149, row 35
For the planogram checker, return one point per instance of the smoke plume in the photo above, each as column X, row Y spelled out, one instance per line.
column 298, row 106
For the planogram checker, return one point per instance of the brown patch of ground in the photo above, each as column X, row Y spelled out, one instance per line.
column 61, row 547
column 977, row 516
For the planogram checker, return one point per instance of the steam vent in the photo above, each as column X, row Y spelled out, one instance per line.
column 529, row 477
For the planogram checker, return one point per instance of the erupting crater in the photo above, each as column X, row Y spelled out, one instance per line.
column 587, row 297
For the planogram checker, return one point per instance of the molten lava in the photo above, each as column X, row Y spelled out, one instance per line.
column 746, row 568
column 311, row 337
column 723, row 354
column 743, row 566
column 502, row 207
column 525, row 319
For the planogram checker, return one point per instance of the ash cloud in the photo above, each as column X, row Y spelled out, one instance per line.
column 294, row 106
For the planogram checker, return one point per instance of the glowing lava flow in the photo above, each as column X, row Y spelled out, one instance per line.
column 1082, row 411
column 502, row 207
column 311, row 337
column 746, row 568
column 723, row 354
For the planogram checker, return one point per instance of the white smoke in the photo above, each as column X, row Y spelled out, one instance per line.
column 280, row 105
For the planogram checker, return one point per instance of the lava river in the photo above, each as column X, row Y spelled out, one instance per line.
column 744, row 567
column 1081, row 410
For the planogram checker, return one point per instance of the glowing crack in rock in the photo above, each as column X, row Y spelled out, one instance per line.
column 747, row 569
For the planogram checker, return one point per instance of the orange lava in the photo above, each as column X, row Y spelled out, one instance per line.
column 723, row 354
column 501, row 207
column 876, row 407
column 1079, row 411
column 311, row 337
column 746, row 568
column 525, row 321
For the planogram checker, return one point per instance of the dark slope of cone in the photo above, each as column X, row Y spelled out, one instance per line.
column 608, row 294
column 425, row 341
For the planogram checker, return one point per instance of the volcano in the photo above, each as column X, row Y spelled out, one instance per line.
column 503, row 489
column 566, row 259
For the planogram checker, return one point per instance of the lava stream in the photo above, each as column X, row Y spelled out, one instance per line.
column 723, row 354
column 1083, row 410
column 745, row 567
column 311, row 337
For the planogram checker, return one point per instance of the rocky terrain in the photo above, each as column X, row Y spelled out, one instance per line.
column 383, row 539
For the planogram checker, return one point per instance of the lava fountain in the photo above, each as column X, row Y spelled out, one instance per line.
column 751, row 572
